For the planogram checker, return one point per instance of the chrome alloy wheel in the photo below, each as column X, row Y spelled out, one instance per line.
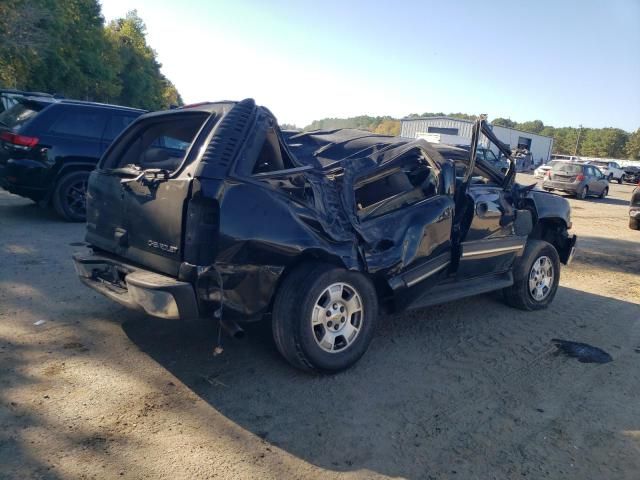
column 337, row 316
column 541, row 278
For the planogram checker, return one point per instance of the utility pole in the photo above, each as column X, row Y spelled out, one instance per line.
column 575, row 152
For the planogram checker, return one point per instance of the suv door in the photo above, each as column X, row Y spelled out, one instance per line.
column 138, row 194
column 488, row 244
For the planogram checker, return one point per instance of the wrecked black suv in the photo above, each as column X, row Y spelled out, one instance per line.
column 212, row 211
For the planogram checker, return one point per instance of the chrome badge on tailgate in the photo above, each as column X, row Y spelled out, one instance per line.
column 162, row 246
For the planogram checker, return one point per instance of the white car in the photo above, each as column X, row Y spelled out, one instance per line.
column 611, row 170
column 541, row 171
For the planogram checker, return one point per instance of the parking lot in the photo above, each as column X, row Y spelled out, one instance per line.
column 472, row 389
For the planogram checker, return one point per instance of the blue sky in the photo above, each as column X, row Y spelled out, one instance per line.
column 564, row 62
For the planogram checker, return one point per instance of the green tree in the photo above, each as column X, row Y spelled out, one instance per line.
column 536, row 126
column 632, row 148
column 62, row 46
column 504, row 122
column 603, row 142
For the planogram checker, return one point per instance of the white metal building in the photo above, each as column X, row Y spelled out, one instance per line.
column 458, row 132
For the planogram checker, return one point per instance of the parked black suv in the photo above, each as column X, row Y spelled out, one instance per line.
column 49, row 146
column 233, row 219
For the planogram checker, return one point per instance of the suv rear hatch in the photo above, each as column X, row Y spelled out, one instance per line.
column 15, row 142
column 566, row 172
column 138, row 195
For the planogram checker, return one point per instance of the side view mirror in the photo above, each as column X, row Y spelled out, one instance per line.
column 448, row 178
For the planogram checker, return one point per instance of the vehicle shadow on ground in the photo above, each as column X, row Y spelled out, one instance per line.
column 610, row 200
column 610, row 254
column 431, row 379
column 25, row 210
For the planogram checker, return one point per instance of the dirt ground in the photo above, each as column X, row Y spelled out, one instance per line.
column 469, row 390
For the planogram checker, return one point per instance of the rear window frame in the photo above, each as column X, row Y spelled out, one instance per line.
column 26, row 102
column 128, row 135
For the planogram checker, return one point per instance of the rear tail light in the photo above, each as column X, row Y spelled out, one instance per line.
column 580, row 178
column 19, row 140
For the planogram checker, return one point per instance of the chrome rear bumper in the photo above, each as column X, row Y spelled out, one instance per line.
column 158, row 295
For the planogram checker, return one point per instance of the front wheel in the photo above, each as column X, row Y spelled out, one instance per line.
column 324, row 317
column 536, row 277
column 619, row 180
column 604, row 192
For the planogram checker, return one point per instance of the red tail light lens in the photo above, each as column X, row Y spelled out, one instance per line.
column 580, row 178
column 19, row 140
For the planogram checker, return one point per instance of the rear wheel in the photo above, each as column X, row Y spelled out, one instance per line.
column 324, row 317
column 634, row 224
column 604, row 193
column 69, row 196
column 620, row 180
column 582, row 193
column 536, row 277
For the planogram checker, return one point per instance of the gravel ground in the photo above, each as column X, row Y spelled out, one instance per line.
column 467, row 390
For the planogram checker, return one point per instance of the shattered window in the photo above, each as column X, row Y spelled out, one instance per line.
column 397, row 188
column 272, row 156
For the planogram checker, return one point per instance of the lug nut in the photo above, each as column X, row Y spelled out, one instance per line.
column 329, row 323
column 342, row 309
column 328, row 313
column 335, row 306
column 342, row 320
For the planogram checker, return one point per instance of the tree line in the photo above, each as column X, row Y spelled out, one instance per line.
column 65, row 47
column 589, row 142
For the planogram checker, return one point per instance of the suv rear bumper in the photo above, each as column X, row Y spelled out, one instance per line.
column 158, row 295
column 571, row 187
column 20, row 181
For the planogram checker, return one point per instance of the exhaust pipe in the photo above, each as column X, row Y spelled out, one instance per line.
column 232, row 328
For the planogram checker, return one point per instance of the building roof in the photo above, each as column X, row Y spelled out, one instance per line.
column 454, row 119
column 439, row 117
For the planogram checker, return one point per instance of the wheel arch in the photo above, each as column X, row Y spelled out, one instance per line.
column 65, row 170
column 315, row 255
column 554, row 230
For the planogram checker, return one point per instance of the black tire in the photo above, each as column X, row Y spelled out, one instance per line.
column 69, row 196
column 548, row 189
column 519, row 295
column 620, row 181
column 634, row 224
column 604, row 192
column 583, row 193
column 610, row 177
column 294, row 335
